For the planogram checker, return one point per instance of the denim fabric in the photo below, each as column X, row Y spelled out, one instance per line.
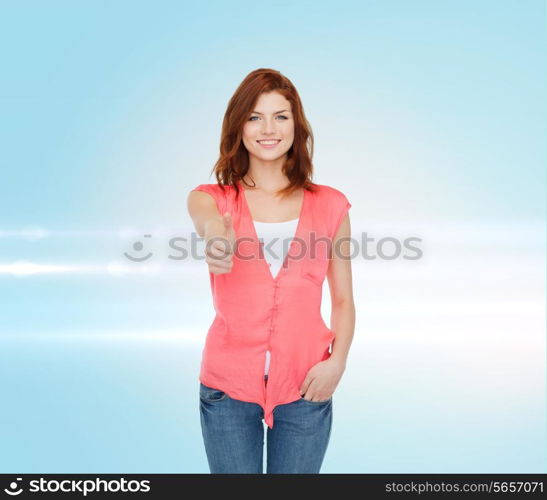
column 233, row 434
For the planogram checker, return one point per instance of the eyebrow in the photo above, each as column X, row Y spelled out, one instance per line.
column 282, row 111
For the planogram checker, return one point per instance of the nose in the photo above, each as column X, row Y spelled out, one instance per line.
column 268, row 126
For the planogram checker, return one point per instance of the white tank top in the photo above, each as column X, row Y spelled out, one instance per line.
column 276, row 238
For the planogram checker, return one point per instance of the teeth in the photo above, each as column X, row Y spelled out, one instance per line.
column 268, row 142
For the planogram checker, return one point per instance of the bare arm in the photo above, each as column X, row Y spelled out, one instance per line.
column 339, row 277
column 322, row 379
column 204, row 213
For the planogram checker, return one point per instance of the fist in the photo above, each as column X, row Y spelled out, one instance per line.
column 220, row 249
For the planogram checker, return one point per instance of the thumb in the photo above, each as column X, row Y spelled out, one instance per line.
column 228, row 223
column 227, row 219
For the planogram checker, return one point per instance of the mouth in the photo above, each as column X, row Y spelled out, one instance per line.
column 269, row 143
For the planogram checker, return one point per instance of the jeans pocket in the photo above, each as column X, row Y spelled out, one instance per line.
column 302, row 398
column 209, row 394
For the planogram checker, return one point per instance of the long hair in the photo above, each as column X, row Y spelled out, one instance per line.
column 233, row 162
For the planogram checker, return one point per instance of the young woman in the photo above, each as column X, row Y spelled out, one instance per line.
column 267, row 353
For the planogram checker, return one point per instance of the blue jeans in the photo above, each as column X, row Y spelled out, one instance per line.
column 233, row 434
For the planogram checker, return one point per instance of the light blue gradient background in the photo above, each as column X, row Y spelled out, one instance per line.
column 428, row 115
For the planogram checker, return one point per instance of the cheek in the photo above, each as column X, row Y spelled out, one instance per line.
column 248, row 135
column 289, row 133
column 289, row 130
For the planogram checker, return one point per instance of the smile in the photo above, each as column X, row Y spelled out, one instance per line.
column 269, row 143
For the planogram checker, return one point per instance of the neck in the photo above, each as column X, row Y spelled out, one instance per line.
column 268, row 176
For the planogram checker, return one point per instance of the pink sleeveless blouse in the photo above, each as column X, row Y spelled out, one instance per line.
column 256, row 312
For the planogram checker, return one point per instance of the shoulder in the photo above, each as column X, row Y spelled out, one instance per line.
column 219, row 193
column 332, row 205
column 330, row 194
column 213, row 189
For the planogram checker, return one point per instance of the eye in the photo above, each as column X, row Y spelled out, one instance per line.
column 278, row 116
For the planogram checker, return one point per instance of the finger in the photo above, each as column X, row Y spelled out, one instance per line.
column 314, row 399
column 225, row 258
column 214, row 254
column 305, row 385
column 222, row 260
column 223, row 242
column 219, row 248
column 218, row 269
column 220, row 264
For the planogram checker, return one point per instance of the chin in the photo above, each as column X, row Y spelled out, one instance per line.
column 271, row 154
column 271, row 157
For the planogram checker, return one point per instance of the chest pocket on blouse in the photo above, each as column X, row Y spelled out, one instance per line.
column 316, row 262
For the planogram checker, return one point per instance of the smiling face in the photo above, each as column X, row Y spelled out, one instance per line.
column 269, row 132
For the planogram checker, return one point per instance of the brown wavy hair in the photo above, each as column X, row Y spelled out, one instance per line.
column 233, row 162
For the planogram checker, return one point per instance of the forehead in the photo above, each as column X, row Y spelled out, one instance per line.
column 271, row 101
